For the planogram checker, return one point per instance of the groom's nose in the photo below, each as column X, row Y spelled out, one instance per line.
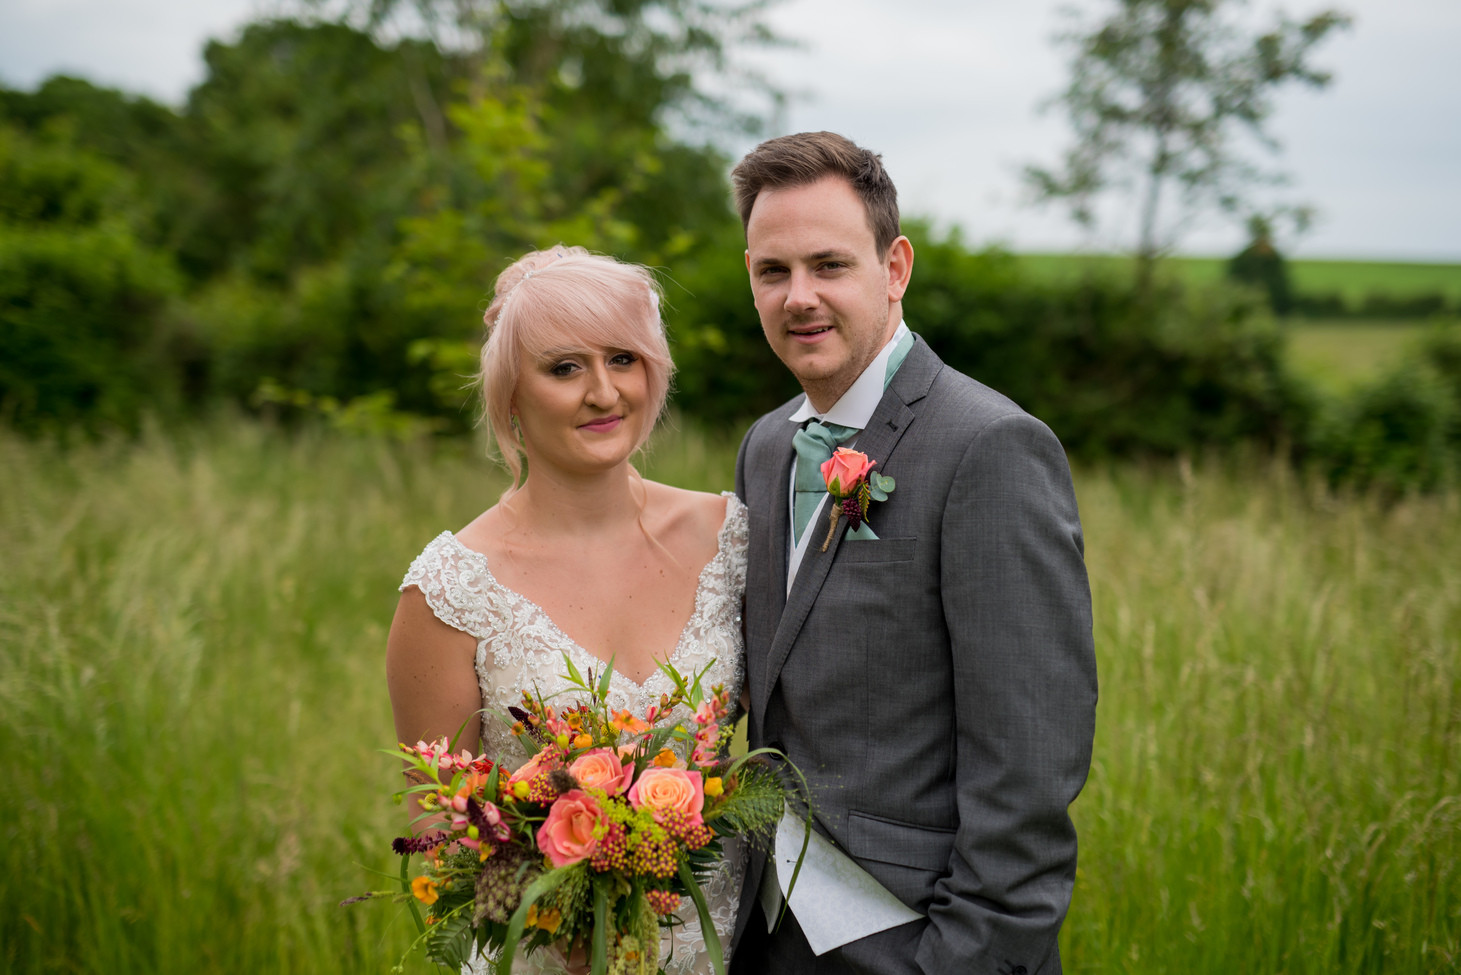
column 801, row 291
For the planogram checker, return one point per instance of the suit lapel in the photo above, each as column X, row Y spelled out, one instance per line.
column 780, row 504
column 881, row 435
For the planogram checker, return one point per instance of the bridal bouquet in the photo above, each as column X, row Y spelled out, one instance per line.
column 596, row 841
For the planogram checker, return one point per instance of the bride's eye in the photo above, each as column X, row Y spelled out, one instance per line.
column 624, row 359
column 562, row 369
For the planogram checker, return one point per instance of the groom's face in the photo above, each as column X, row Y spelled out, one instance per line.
column 827, row 300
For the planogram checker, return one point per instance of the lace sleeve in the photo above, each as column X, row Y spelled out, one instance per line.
column 454, row 584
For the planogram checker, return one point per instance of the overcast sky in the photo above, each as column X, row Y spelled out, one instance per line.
column 948, row 91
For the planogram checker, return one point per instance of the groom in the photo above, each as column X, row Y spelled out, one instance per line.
column 932, row 671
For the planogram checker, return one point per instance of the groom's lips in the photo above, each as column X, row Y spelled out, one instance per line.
column 809, row 333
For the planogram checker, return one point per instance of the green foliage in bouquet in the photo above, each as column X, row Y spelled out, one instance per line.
column 597, row 840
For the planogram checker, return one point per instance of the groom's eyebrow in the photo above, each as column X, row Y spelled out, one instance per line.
column 823, row 255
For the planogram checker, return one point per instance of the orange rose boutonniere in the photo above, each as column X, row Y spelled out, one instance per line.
column 853, row 484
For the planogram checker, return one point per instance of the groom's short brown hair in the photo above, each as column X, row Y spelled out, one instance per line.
column 796, row 160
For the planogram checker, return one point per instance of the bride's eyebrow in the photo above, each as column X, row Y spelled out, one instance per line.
column 563, row 352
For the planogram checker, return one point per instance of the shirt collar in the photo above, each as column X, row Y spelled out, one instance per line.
column 855, row 407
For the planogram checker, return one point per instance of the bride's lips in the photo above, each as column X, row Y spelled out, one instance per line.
column 603, row 425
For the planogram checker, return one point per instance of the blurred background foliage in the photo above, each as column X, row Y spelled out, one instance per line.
column 315, row 232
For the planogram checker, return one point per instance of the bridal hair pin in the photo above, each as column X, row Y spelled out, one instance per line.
column 507, row 298
column 513, row 290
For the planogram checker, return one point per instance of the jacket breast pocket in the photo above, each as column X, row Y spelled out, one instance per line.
column 877, row 550
column 905, row 844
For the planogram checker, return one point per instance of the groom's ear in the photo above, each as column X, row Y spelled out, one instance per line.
column 748, row 261
column 900, row 267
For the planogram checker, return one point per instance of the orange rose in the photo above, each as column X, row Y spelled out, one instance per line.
column 844, row 470
column 664, row 789
column 601, row 769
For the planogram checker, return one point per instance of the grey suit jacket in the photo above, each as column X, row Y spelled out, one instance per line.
column 937, row 686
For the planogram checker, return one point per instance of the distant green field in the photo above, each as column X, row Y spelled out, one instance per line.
column 1355, row 279
column 1338, row 355
column 1351, row 279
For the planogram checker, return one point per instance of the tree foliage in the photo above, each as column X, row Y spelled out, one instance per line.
column 1160, row 94
column 339, row 200
column 1262, row 266
column 81, row 291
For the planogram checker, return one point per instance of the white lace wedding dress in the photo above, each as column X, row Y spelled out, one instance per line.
column 519, row 646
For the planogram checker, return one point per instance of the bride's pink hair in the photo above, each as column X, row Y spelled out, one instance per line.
column 568, row 298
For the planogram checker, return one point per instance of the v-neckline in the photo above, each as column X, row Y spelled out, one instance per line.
column 721, row 538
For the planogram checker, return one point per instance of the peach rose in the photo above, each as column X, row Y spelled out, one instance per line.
column 545, row 760
column 601, row 769
column 669, row 789
column 844, row 469
column 568, row 834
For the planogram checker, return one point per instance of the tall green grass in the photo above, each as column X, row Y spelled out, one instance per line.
column 1277, row 774
column 191, row 696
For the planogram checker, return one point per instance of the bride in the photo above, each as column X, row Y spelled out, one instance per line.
column 581, row 555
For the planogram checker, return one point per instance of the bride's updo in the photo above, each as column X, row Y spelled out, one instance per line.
column 567, row 298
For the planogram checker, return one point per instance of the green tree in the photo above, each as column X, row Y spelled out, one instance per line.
column 81, row 294
column 1160, row 92
column 1262, row 266
column 298, row 130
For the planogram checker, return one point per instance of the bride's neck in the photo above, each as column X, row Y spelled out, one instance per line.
column 553, row 504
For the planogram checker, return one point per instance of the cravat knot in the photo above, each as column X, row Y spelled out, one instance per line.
column 813, row 445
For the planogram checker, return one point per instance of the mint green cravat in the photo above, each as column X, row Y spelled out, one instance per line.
column 817, row 441
column 814, row 444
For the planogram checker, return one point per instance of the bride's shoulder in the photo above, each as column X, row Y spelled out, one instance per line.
column 482, row 533
column 697, row 513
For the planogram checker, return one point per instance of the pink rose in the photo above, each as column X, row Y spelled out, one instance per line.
column 568, row 834
column 601, row 769
column 844, row 469
column 664, row 789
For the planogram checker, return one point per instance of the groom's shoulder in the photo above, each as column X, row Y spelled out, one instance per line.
column 965, row 399
column 957, row 409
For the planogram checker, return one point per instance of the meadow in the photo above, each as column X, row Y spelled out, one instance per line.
column 1338, row 355
column 1352, row 280
column 192, row 699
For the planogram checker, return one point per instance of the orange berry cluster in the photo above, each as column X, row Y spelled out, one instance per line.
column 655, row 855
column 662, row 902
column 612, row 852
column 689, row 834
column 540, row 788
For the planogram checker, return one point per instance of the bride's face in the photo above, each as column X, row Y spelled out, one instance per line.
column 581, row 410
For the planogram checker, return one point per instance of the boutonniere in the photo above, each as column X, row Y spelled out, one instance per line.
column 854, row 485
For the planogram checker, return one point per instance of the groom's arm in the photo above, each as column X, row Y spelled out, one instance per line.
column 1017, row 605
